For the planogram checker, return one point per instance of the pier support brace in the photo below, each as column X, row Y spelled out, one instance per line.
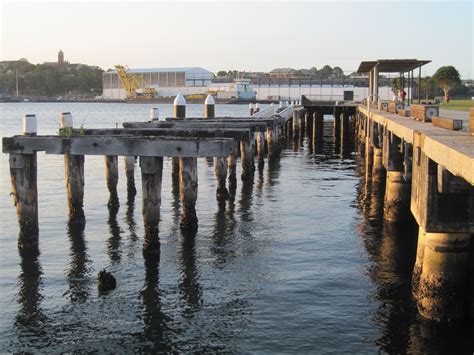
column 25, row 196
column 188, row 180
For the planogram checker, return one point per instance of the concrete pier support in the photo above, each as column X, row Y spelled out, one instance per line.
column 420, row 251
column 296, row 124
column 130, row 174
column 246, row 156
column 188, row 180
column 378, row 171
column 397, row 198
column 369, row 160
column 74, row 176
column 442, row 288
column 220, row 170
column 272, row 137
column 111, row 176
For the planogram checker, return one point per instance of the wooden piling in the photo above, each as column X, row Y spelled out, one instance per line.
column 246, row 156
column 188, row 179
column 23, row 173
column 152, row 173
column 232, row 169
column 111, row 176
column 130, row 173
column 74, row 176
column 260, row 149
column 220, row 170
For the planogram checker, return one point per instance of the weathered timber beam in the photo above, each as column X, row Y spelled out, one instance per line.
column 121, row 145
column 253, row 125
column 235, row 133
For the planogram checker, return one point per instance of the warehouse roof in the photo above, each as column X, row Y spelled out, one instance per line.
column 189, row 70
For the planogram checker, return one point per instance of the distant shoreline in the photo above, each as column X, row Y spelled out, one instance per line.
column 158, row 101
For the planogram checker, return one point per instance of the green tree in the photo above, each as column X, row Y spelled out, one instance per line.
column 221, row 73
column 325, row 72
column 447, row 77
column 427, row 87
column 396, row 85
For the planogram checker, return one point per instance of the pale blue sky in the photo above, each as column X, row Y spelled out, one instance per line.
column 240, row 35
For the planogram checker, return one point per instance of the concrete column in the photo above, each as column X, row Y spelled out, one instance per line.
column 378, row 171
column 302, row 126
column 74, row 176
column 397, row 198
column 260, row 149
column 420, row 251
column 130, row 174
column 246, row 156
column 272, row 139
column 296, row 123
column 442, row 289
column 111, row 176
column 220, row 169
column 337, row 125
column 209, row 107
column 376, row 82
column 369, row 159
column 188, row 180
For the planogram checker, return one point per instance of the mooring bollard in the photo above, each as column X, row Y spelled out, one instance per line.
column 154, row 114
column 209, row 107
column 188, row 179
column 179, row 111
column 251, row 109
column 23, row 173
column 220, row 169
column 130, row 173
column 74, row 176
column 152, row 174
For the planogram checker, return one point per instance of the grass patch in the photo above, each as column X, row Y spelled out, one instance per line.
column 460, row 105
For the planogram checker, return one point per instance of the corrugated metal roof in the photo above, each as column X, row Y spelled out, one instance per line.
column 392, row 65
column 189, row 70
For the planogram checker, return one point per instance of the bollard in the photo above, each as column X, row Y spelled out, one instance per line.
column 74, row 176
column 188, row 180
column 179, row 106
column 23, row 174
column 220, row 169
column 209, row 107
column 154, row 114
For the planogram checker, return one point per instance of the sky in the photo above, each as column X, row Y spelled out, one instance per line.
column 244, row 35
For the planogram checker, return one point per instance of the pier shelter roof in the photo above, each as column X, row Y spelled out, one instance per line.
column 391, row 65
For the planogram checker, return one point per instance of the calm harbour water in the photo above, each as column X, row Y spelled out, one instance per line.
column 297, row 262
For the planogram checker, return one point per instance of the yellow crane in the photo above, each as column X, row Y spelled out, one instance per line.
column 132, row 84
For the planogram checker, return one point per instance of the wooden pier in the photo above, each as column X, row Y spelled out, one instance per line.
column 426, row 172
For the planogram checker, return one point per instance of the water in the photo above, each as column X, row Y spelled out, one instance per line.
column 297, row 262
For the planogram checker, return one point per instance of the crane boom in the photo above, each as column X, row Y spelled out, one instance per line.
column 129, row 81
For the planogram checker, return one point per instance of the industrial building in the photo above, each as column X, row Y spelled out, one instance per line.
column 165, row 81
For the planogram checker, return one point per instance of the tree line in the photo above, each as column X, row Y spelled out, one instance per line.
column 49, row 79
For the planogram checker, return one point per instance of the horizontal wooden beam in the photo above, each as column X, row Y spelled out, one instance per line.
column 448, row 123
column 235, row 133
column 122, row 145
column 253, row 126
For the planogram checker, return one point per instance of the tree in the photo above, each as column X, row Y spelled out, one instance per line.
column 221, row 73
column 396, row 85
column 325, row 72
column 427, row 87
column 447, row 77
column 338, row 73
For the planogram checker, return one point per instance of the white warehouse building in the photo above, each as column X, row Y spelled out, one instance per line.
column 166, row 81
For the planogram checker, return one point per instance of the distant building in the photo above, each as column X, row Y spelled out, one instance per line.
column 165, row 81
column 61, row 63
column 61, row 58
column 282, row 73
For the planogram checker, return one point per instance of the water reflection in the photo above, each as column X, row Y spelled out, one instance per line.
column 223, row 234
column 155, row 321
column 114, row 242
column 190, row 289
column 246, row 201
column 30, row 318
column 130, row 221
column 78, row 272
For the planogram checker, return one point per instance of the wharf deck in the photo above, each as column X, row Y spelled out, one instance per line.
column 452, row 149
